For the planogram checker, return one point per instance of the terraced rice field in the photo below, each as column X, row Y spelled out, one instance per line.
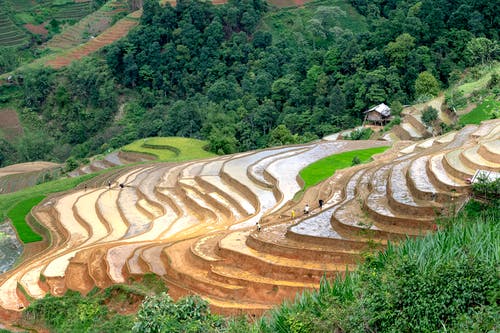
column 193, row 223
column 91, row 25
column 171, row 148
column 72, row 10
column 117, row 31
column 19, row 176
column 10, row 34
column 20, row 5
column 71, row 40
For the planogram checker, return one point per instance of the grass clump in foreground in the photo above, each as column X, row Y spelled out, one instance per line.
column 483, row 111
column 171, row 149
column 326, row 167
column 112, row 310
column 444, row 282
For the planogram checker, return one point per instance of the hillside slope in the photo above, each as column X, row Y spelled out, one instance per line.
column 194, row 223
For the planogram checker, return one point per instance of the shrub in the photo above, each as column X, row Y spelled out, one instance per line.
column 359, row 134
column 395, row 121
column 455, row 99
column 494, row 81
column 429, row 115
column 489, row 190
column 161, row 314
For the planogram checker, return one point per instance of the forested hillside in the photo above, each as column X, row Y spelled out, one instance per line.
column 245, row 75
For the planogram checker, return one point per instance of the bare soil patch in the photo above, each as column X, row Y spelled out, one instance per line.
column 288, row 3
column 37, row 29
column 10, row 124
column 26, row 167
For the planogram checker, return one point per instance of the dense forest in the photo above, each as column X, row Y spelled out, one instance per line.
column 244, row 75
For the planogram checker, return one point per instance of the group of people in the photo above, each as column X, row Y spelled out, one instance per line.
column 307, row 208
column 121, row 185
column 293, row 214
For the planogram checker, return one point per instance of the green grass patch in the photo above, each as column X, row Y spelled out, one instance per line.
column 326, row 167
column 18, row 217
column 171, row 149
column 484, row 77
column 483, row 111
column 25, row 18
column 10, row 200
column 287, row 23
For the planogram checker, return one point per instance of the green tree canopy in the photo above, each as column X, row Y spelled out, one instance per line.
column 426, row 85
column 482, row 50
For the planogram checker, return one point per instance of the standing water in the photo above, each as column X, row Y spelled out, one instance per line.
column 10, row 247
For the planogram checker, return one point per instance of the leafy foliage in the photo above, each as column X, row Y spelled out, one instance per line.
column 161, row 314
column 100, row 311
column 359, row 134
column 75, row 313
column 429, row 115
column 489, row 190
column 426, row 85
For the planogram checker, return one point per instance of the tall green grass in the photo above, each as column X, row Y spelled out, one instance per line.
column 445, row 282
column 18, row 217
column 326, row 167
column 432, row 283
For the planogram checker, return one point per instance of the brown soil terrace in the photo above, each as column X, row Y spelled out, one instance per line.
column 26, row 167
column 194, row 223
column 37, row 29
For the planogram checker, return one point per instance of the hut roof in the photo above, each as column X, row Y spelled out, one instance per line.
column 383, row 109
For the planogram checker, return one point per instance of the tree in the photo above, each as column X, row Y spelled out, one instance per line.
column 399, row 50
column 281, row 135
column 151, row 8
column 8, row 59
column 429, row 115
column 7, row 152
column 426, row 85
column 71, row 164
column 262, row 39
column 222, row 141
column 35, row 145
column 482, row 49
column 183, row 119
column 37, row 84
